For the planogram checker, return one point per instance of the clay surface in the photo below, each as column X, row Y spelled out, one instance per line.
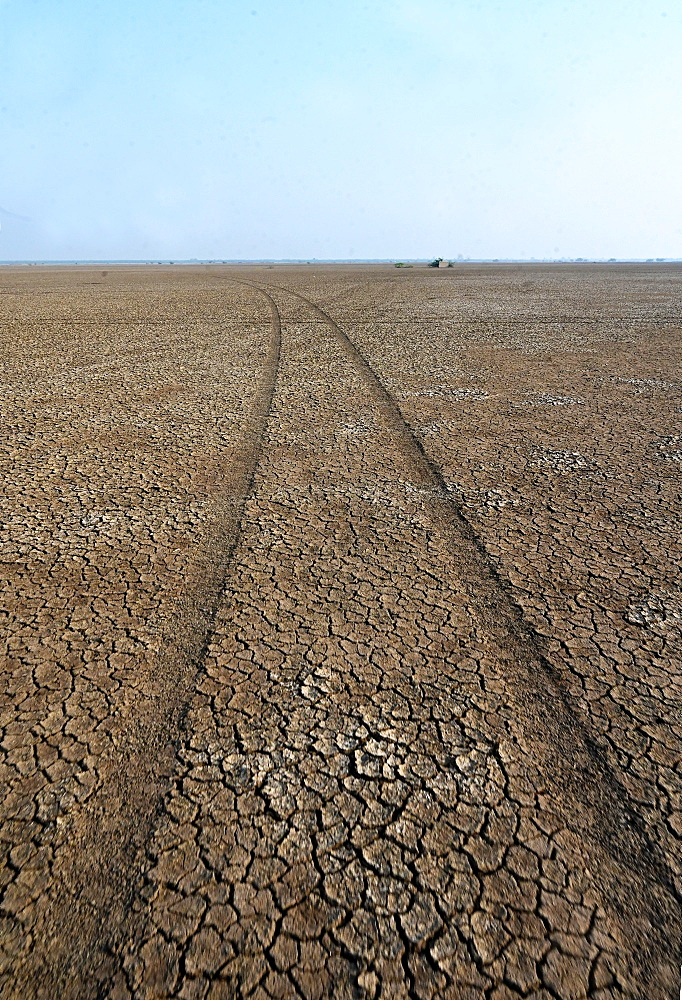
column 342, row 630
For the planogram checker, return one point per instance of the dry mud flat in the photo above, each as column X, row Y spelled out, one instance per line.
column 343, row 619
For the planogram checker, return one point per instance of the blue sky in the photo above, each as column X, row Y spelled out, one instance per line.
column 299, row 129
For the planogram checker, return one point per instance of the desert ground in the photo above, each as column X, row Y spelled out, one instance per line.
column 342, row 624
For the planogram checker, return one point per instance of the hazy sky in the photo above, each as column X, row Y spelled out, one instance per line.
column 357, row 128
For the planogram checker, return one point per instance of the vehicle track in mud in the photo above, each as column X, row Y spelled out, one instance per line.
column 539, row 473
column 377, row 787
column 269, row 873
column 517, row 644
column 75, row 920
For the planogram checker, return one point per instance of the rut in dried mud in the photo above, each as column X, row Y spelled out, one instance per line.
column 532, row 678
column 381, row 791
column 61, row 944
column 359, row 775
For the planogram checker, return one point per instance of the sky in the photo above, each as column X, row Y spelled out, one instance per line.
column 300, row 129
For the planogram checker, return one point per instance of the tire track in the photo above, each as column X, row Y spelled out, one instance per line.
column 91, row 881
column 286, row 862
column 566, row 749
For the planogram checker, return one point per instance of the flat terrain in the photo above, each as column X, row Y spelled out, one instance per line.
column 343, row 629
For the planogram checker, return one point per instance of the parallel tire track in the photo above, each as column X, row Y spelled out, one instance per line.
column 566, row 749
column 261, row 755
column 96, row 876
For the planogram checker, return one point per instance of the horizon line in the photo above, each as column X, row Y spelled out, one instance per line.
column 454, row 261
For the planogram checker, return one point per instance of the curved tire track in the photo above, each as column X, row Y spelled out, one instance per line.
column 271, row 780
column 572, row 758
column 93, row 873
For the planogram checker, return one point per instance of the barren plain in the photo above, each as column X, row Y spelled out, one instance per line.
column 342, row 629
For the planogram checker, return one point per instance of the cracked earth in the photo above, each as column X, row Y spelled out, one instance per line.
column 342, row 625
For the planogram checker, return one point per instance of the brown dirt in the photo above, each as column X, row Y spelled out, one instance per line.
column 343, row 630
